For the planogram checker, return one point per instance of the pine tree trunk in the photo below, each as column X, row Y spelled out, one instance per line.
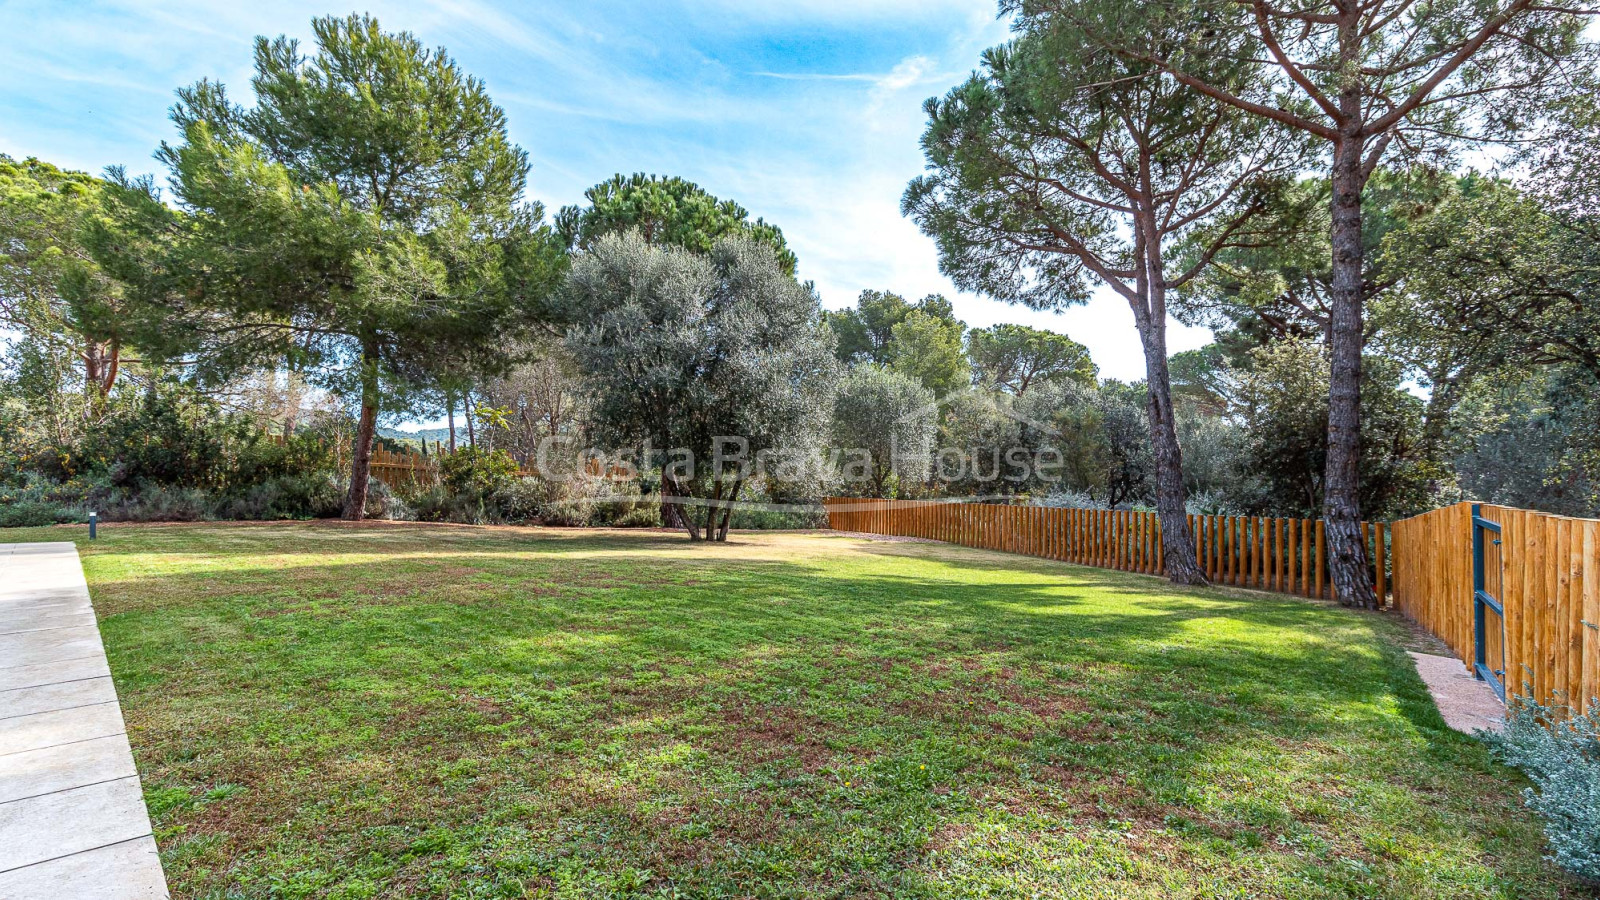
column 1347, row 553
column 472, row 435
column 450, row 412
column 1172, row 498
column 1177, row 539
column 355, row 501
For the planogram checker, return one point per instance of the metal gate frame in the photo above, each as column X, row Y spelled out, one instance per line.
column 1482, row 600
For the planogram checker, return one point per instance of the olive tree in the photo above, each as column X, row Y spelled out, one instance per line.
column 705, row 361
column 883, row 422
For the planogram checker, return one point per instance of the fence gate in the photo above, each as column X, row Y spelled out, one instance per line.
column 1488, row 613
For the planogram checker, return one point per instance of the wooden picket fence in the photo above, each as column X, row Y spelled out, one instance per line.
column 396, row 469
column 1545, row 573
column 1286, row 556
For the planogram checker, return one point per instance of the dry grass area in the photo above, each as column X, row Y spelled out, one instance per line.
column 427, row 711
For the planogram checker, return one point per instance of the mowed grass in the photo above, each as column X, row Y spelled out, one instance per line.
column 416, row 711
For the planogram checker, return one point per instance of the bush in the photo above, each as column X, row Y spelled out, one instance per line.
column 774, row 519
column 259, row 461
column 474, row 471
column 313, row 496
column 1563, row 760
column 523, row 500
column 574, row 502
column 168, row 438
column 155, row 503
column 33, row 513
column 645, row 514
column 36, row 501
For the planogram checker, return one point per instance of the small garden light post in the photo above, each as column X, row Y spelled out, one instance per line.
column 94, row 519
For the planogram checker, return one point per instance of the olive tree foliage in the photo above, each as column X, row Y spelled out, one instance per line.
column 703, row 361
column 1014, row 358
column 666, row 211
column 1093, row 440
column 361, row 223
column 1362, row 80
column 883, row 429
column 1059, row 165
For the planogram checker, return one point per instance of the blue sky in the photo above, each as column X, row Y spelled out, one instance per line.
column 807, row 112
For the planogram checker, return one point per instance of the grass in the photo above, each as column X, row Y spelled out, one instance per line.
column 399, row 711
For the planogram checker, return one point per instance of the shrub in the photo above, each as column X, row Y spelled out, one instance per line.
column 259, row 460
column 37, row 501
column 645, row 514
column 772, row 519
column 33, row 513
column 522, row 500
column 436, row 503
column 306, row 496
column 474, row 471
column 167, row 438
column 156, row 503
column 1563, row 760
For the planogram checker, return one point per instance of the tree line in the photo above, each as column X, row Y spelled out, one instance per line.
column 1391, row 327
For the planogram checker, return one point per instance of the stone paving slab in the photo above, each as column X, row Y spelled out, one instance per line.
column 53, row 672
column 73, row 823
column 33, row 773
column 33, row 647
column 130, row 870
column 59, row 727
column 27, row 701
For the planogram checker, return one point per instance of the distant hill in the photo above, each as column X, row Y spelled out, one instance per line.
column 442, row 435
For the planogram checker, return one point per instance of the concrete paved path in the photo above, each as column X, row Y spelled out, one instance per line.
column 1467, row 704
column 72, row 817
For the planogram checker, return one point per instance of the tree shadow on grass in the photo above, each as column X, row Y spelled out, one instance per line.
column 1031, row 687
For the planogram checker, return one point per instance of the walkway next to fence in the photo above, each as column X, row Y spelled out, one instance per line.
column 72, row 816
column 1515, row 593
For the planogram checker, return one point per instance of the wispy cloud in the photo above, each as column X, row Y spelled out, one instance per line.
column 807, row 112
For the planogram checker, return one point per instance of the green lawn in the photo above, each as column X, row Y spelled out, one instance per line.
column 396, row 711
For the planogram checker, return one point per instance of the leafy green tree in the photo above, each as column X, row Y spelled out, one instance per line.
column 699, row 357
column 865, row 332
column 1017, row 357
column 50, row 287
column 1101, row 435
column 982, row 450
column 1201, row 379
column 1500, row 276
column 1359, row 79
column 666, row 211
column 1283, row 288
column 927, row 347
column 1525, row 437
column 361, row 220
column 1060, row 164
column 891, row 418
column 1282, row 403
